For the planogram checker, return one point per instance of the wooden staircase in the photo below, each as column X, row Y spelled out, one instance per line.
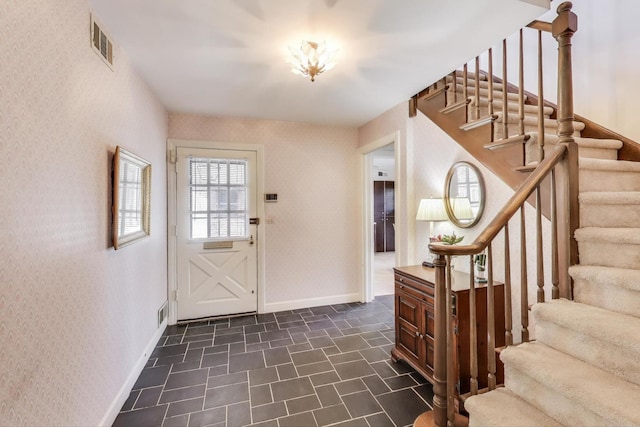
column 534, row 146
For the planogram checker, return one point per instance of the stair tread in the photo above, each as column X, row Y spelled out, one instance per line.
column 598, row 323
column 604, row 394
column 608, row 165
column 623, row 277
column 502, row 407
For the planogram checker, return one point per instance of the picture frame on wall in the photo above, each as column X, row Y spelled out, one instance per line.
column 131, row 205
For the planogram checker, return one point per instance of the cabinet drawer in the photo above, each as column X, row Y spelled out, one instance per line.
column 415, row 293
column 412, row 283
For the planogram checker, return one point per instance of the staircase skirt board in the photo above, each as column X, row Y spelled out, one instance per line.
column 570, row 391
column 514, row 412
column 592, row 335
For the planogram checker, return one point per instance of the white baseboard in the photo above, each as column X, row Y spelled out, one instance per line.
column 311, row 302
column 125, row 390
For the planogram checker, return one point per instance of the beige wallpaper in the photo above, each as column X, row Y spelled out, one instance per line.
column 75, row 315
column 312, row 245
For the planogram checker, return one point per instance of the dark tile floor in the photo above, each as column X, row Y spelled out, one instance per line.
column 311, row 367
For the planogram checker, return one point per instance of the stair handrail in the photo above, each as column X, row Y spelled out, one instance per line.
column 564, row 204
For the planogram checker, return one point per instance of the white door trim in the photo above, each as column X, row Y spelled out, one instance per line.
column 172, row 144
column 366, row 210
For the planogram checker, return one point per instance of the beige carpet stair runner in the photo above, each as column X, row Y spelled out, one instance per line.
column 584, row 367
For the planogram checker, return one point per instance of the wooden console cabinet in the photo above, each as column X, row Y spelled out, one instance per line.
column 414, row 323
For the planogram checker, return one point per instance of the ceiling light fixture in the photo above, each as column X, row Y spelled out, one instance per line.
column 311, row 58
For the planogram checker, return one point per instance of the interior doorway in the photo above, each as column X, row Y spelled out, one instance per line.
column 383, row 215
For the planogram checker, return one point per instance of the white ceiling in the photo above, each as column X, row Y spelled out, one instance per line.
column 227, row 57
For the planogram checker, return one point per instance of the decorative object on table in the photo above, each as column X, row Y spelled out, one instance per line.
column 431, row 210
column 448, row 239
column 451, row 239
column 464, row 194
column 480, row 262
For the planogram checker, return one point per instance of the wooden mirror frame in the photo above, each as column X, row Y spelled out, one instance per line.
column 448, row 195
column 121, row 159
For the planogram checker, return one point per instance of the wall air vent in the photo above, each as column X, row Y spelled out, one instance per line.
column 101, row 43
column 162, row 313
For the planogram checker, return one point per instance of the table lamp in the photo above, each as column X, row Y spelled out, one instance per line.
column 431, row 210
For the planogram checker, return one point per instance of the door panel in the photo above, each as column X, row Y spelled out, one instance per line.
column 383, row 216
column 216, row 244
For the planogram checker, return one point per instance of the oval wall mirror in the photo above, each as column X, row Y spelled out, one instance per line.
column 464, row 194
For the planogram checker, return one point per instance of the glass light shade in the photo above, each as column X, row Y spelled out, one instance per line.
column 311, row 58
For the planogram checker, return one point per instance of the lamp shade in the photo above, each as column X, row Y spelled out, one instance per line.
column 431, row 210
column 462, row 208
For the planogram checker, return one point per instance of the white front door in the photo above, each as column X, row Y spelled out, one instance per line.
column 216, row 242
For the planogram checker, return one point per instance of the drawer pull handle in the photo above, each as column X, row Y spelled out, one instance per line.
column 417, row 334
column 401, row 279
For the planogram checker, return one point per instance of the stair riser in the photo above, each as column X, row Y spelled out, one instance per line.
column 619, row 361
column 557, row 406
column 606, row 215
column 608, row 297
column 609, row 254
column 598, row 180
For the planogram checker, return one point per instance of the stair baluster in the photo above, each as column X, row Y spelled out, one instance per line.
column 508, row 334
column 473, row 333
column 540, row 101
column 524, row 285
column 491, row 323
column 539, row 248
column 490, row 94
column 477, row 92
column 505, row 103
column 521, row 93
column 465, row 95
column 555, row 290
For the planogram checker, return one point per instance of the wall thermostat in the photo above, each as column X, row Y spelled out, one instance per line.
column 271, row 197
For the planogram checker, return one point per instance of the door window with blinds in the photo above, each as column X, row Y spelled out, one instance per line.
column 218, row 207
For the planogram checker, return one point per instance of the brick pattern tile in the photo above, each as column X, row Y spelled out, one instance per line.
column 308, row 367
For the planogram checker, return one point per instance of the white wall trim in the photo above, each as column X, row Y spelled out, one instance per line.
column 125, row 390
column 172, row 144
column 311, row 302
column 366, row 218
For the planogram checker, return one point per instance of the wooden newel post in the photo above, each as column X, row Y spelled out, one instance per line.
column 440, row 397
column 563, row 28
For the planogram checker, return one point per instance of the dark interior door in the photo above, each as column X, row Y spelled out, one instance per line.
column 384, row 215
column 389, row 227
